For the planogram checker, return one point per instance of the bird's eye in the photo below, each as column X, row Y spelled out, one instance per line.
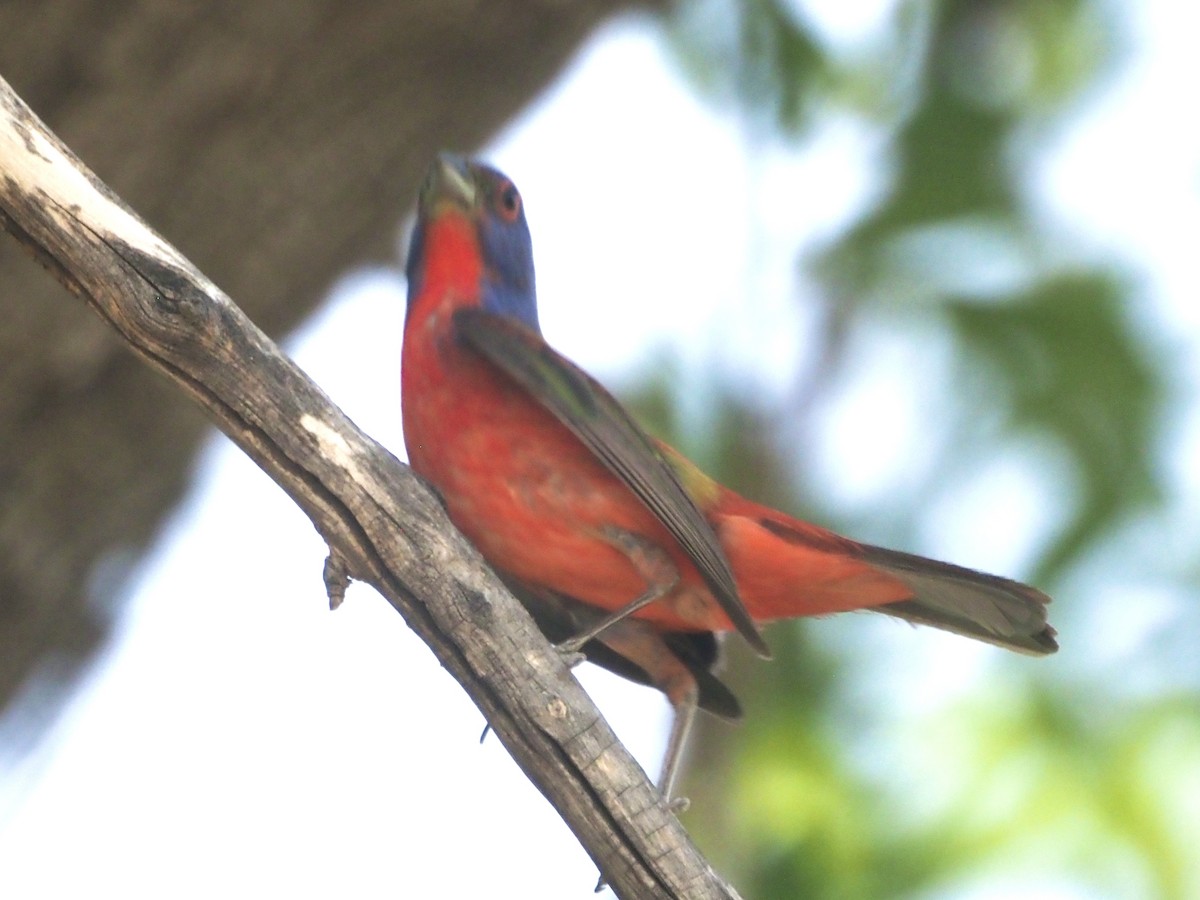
column 509, row 202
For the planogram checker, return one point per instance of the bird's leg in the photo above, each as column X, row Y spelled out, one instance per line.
column 681, row 726
column 640, row 643
column 634, row 641
column 651, row 563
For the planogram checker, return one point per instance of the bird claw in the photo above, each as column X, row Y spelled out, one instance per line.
column 569, row 654
column 676, row 805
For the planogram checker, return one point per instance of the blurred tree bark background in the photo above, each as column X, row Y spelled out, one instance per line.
column 278, row 144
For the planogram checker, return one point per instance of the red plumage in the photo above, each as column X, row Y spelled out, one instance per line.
column 581, row 513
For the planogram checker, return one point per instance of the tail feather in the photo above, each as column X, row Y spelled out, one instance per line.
column 986, row 607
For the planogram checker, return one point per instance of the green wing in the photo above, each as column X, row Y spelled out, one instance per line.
column 602, row 424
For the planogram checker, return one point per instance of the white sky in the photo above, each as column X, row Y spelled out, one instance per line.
column 240, row 740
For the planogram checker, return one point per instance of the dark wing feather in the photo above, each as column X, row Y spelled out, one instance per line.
column 607, row 430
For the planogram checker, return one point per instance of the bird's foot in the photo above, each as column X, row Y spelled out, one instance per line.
column 569, row 653
column 676, row 805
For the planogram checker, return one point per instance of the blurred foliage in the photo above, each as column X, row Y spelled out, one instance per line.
column 1061, row 360
column 838, row 785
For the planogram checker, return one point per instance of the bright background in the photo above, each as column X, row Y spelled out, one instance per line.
column 241, row 740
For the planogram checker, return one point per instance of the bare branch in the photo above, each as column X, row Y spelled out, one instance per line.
column 381, row 523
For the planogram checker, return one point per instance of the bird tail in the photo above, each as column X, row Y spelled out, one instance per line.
column 964, row 601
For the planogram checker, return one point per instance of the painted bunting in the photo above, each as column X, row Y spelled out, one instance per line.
column 619, row 546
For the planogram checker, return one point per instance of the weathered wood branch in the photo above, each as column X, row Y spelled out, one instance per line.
column 373, row 512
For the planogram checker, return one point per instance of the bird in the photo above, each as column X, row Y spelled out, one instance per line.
column 623, row 551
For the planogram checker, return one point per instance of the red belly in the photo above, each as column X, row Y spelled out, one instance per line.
column 527, row 492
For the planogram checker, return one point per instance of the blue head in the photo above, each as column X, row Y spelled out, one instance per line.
column 491, row 202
